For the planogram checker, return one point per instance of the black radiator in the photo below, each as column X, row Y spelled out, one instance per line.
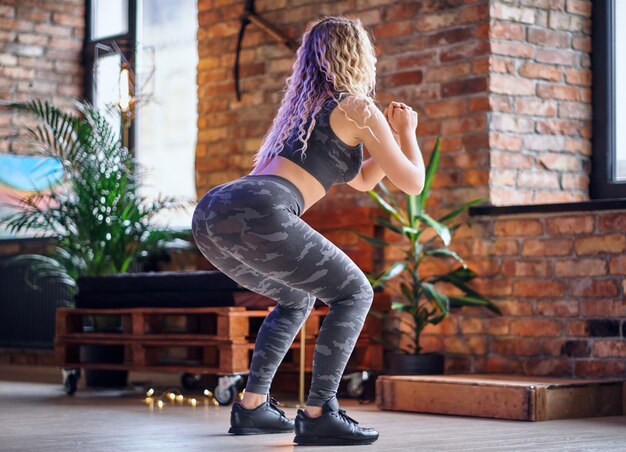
column 27, row 314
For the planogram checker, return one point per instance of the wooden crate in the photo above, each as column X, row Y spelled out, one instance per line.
column 204, row 340
column 200, row 357
column 201, row 340
column 163, row 323
column 530, row 398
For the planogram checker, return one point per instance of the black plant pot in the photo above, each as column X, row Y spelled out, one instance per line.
column 110, row 354
column 421, row 364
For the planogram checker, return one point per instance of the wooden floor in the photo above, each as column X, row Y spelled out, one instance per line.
column 37, row 415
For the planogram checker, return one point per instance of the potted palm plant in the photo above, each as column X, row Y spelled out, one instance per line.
column 420, row 301
column 100, row 223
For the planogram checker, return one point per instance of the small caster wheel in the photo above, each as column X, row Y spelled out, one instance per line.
column 226, row 390
column 225, row 396
column 70, row 380
column 356, row 385
column 189, row 380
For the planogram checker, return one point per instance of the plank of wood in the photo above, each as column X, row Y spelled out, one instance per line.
column 502, row 396
column 152, row 368
column 451, row 398
column 224, row 310
column 195, row 340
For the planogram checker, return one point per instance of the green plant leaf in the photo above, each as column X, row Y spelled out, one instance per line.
column 459, row 300
column 394, row 270
column 441, row 300
column 401, row 307
column 413, row 203
column 445, row 252
column 435, row 320
column 463, row 274
column 372, row 240
column 408, row 231
column 385, row 205
column 431, row 170
column 441, row 229
column 392, row 200
column 452, row 229
column 409, row 293
column 388, row 224
column 458, row 211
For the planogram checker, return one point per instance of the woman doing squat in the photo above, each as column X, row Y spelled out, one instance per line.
column 250, row 228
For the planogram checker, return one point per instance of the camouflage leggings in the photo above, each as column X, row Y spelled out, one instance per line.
column 251, row 230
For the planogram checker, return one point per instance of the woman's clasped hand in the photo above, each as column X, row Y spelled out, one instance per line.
column 400, row 117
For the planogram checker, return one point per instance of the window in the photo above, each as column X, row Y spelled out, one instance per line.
column 158, row 40
column 109, row 39
column 167, row 127
column 109, row 18
column 620, row 90
column 608, row 179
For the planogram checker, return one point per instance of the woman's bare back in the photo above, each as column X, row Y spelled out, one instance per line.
column 312, row 190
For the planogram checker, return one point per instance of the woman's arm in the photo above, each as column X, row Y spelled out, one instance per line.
column 371, row 173
column 368, row 177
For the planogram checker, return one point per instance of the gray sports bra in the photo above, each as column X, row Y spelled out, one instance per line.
column 327, row 157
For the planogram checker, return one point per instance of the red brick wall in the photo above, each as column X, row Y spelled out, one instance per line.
column 540, row 90
column 431, row 56
column 40, row 56
column 507, row 84
column 559, row 280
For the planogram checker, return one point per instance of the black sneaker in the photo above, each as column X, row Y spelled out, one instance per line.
column 333, row 428
column 266, row 418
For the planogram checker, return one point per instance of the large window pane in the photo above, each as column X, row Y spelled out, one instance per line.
column 166, row 128
column 109, row 18
column 107, row 87
column 620, row 89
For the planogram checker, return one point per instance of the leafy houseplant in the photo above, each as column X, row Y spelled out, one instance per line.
column 100, row 223
column 421, row 301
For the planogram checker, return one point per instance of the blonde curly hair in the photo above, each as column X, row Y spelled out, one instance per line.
column 336, row 57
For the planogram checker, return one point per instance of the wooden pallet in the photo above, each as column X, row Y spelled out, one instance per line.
column 520, row 397
column 197, row 356
column 201, row 340
column 232, row 322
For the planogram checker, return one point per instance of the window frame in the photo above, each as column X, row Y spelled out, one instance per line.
column 602, row 185
column 127, row 42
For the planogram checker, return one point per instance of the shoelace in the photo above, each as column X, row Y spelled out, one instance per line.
column 274, row 404
column 343, row 414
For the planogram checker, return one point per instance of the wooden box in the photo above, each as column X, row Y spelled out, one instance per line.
column 529, row 398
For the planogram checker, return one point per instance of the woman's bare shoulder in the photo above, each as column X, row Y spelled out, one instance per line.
column 362, row 112
column 358, row 106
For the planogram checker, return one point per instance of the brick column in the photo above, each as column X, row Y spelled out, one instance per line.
column 540, row 94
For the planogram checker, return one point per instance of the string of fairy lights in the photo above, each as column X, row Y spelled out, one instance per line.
column 175, row 397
